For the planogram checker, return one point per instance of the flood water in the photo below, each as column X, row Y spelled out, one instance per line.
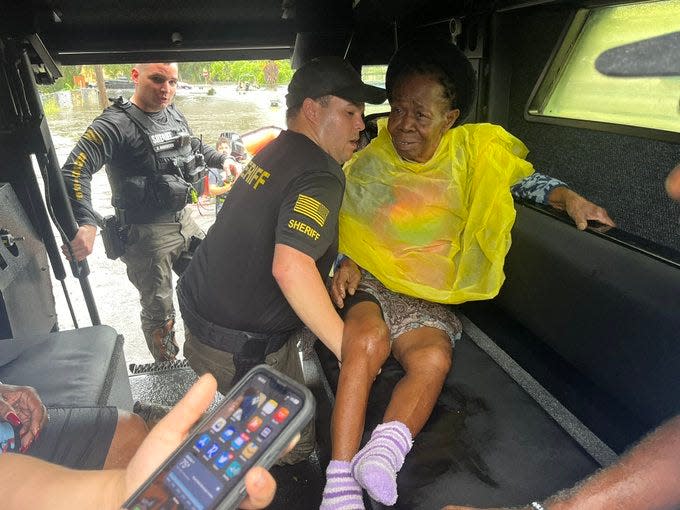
column 69, row 114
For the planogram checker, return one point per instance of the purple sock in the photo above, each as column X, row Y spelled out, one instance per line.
column 342, row 492
column 376, row 465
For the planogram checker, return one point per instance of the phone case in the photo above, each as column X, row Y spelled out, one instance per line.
column 273, row 451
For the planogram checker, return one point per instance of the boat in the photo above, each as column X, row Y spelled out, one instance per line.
column 257, row 139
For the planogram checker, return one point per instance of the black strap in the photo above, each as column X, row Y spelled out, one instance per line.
column 136, row 115
column 141, row 120
column 146, row 216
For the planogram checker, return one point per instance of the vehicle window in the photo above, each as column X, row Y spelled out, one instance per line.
column 572, row 88
column 375, row 75
column 237, row 96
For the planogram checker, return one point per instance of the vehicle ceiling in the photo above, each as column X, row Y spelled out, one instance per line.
column 108, row 31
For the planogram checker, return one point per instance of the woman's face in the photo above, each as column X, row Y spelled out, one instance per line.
column 419, row 117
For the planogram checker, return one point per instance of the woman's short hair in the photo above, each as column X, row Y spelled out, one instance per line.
column 442, row 60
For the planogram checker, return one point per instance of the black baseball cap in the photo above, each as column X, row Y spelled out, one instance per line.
column 423, row 56
column 331, row 76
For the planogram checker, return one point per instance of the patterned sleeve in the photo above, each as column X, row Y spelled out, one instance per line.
column 536, row 187
column 93, row 150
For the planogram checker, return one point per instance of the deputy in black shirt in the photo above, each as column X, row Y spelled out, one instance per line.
column 148, row 149
column 260, row 272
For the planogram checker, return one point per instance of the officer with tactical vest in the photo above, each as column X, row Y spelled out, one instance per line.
column 151, row 161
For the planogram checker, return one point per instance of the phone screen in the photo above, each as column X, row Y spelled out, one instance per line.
column 220, row 452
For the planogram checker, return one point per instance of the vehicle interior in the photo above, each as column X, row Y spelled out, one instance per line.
column 575, row 360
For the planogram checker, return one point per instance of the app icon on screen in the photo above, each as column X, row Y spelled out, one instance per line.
column 202, row 442
column 280, row 415
column 234, row 469
column 254, row 424
column 228, row 433
column 237, row 414
column 223, row 459
column 269, row 406
column 219, row 424
column 240, row 441
column 265, row 432
column 250, row 450
column 212, row 451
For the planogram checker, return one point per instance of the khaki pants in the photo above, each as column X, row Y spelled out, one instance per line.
column 205, row 359
column 150, row 253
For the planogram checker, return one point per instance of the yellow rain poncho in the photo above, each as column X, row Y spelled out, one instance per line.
column 438, row 230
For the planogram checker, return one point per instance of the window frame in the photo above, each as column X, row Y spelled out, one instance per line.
column 550, row 75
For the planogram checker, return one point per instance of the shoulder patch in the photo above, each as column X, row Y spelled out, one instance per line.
column 93, row 136
column 311, row 208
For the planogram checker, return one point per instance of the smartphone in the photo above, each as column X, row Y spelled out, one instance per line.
column 10, row 439
column 252, row 426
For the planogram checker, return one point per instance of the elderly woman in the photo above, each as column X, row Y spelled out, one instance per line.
column 427, row 215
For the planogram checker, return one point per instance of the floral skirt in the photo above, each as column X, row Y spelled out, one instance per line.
column 404, row 313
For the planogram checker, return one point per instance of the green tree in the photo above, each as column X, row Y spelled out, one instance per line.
column 63, row 83
column 192, row 72
column 117, row 70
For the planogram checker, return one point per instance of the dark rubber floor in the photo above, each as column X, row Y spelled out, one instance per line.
column 488, row 443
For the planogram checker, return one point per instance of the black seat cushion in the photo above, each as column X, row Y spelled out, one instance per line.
column 83, row 367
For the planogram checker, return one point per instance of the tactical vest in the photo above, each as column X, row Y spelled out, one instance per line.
column 167, row 186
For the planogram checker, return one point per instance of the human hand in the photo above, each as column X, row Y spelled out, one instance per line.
column 173, row 429
column 345, row 281
column 578, row 208
column 21, row 406
column 216, row 191
column 673, row 183
column 233, row 167
column 82, row 244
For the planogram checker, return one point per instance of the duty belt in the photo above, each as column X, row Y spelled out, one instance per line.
column 145, row 216
column 244, row 344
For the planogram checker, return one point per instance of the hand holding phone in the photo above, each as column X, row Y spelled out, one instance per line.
column 10, row 440
column 252, row 426
column 22, row 408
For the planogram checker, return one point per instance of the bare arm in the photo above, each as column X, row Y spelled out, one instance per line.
column 93, row 150
column 299, row 280
column 58, row 487
column 32, row 483
column 578, row 208
column 646, row 477
column 547, row 190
